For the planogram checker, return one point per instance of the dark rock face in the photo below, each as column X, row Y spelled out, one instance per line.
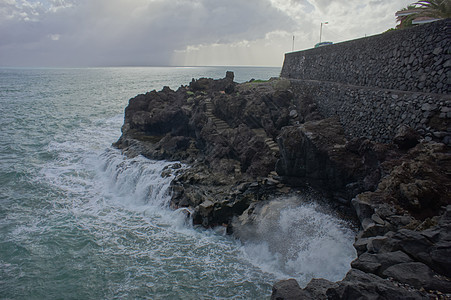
column 227, row 132
column 163, row 115
column 361, row 285
column 418, row 181
column 406, row 138
column 417, row 275
column 288, row 290
column 316, row 152
column 223, row 130
column 403, row 247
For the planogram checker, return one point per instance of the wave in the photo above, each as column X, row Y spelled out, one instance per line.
column 297, row 238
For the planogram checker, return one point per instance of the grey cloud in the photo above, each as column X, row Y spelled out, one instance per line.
column 102, row 32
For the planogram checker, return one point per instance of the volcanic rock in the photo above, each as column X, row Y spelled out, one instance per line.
column 226, row 133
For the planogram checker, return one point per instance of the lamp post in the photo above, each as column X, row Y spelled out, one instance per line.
column 321, row 30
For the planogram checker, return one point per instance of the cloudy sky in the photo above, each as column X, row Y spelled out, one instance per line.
column 78, row 33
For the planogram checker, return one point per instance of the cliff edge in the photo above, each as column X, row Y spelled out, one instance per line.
column 247, row 142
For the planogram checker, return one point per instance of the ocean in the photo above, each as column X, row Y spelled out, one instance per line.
column 78, row 220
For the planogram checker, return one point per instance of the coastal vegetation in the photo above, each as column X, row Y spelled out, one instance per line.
column 423, row 11
column 440, row 9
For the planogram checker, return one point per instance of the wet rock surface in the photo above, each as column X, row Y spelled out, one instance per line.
column 245, row 143
column 226, row 133
column 404, row 243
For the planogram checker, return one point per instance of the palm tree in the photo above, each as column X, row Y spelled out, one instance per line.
column 406, row 20
column 440, row 9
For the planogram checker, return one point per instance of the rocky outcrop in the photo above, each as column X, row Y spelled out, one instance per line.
column 316, row 153
column 404, row 243
column 245, row 143
column 225, row 131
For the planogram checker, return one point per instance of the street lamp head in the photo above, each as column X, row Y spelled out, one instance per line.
column 321, row 30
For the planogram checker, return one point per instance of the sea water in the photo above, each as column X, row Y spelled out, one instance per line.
column 78, row 220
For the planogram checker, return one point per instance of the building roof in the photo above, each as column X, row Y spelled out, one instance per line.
column 407, row 12
column 423, row 20
column 419, row 20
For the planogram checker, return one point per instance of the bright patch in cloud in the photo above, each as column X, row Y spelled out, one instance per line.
column 54, row 37
column 163, row 32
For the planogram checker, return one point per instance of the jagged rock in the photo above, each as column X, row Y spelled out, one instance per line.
column 206, row 207
column 378, row 263
column 207, row 84
column 416, row 183
column 315, row 153
column 317, row 288
column 212, row 124
column 419, row 193
column 362, row 207
column 360, row 285
column 226, row 133
column 376, row 243
column 431, row 246
column 288, row 290
column 418, row 275
column 406, row 137
column 361, row 245
column 418, row 258
column 165, row 125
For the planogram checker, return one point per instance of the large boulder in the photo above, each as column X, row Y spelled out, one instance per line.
column 288, row 290
column 316, row 153
column 406, row 137
column 360, row 285
column 417, row 275
column 418, row 182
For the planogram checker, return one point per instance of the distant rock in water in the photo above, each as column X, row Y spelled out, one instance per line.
column 247, row 143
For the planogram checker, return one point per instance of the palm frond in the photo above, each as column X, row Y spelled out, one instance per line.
column 435, row 8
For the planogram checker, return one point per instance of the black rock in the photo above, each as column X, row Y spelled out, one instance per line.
column 288, row 290
column 406, row 138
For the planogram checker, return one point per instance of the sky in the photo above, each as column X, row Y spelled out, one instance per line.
column 94, row 33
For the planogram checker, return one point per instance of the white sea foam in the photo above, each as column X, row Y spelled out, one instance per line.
column 296, row 239
column 79, row 218
column 290, row 239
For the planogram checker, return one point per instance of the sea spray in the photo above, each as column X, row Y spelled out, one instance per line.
column 139, row 178
column 294, row 238
column 289, row 237
column 79, row 220
column 143, row 185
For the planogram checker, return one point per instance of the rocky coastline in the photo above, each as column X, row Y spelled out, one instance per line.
column 249, row 142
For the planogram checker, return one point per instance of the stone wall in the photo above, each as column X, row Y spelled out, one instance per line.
column 414, row 59
column 377, row 113
column 379, row 83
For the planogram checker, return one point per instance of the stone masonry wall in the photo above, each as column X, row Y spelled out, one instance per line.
column 377, row 113
column 414, row 59
column 379, row 83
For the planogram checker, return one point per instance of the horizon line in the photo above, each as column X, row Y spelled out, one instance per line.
column 135, row 66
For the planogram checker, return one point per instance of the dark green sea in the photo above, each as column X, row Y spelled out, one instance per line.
column 80, row 221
